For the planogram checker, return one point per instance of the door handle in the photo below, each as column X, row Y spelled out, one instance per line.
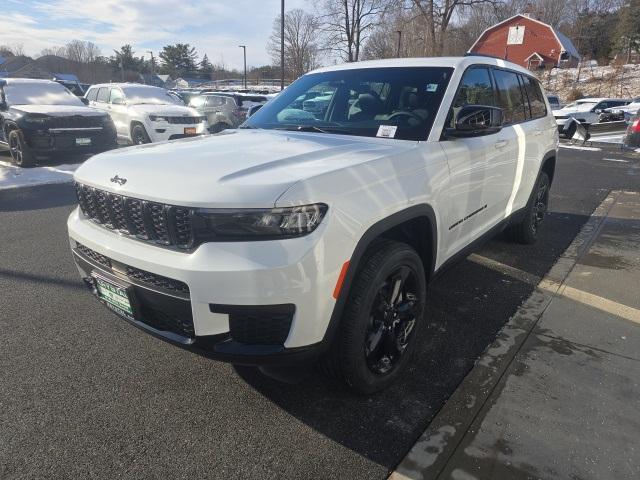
column 501, row 144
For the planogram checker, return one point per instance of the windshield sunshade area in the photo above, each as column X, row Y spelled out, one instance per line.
column 39, row 94
column 150, row 96
column 396, row 103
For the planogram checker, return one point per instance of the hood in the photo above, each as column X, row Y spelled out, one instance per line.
column 60, row 110
column 172, row 110
column 237, row 168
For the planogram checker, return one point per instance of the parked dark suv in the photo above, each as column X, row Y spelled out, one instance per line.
column 41, row 117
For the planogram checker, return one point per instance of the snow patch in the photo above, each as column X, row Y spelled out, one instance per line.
column 16, row 177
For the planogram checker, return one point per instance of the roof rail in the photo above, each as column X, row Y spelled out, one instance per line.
column 471, row 54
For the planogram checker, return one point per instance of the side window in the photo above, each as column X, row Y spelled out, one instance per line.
column 510, row 96
column 475, row 89
column 92, row 94
column 536, row 99
column 103, row 95
column 116, row 96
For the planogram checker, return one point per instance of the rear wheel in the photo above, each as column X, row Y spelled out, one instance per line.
column 381, row 320
column 20, row 153
column 527, row 230
column 139, row 135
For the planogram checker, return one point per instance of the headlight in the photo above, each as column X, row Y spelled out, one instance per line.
column 257, row 224
column 157, row 118
column 36, row 121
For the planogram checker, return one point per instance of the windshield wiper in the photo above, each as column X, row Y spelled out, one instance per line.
column 312, row 128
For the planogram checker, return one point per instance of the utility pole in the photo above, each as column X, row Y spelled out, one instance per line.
column 399, row 42
column 244, row 50
column 281, row 45
column 122, row 69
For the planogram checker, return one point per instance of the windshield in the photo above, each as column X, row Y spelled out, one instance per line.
column 149, row 95
column 39, row 93
column 386, row 102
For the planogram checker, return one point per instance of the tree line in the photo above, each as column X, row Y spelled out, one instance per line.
column 353, row 30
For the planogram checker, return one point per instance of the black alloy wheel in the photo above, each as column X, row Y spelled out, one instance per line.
column 391, row 320
column 527, row 230
column 381, row 320
column 20, row 153
column 540, row 203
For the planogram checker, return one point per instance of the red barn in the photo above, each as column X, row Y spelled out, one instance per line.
column 528, row 42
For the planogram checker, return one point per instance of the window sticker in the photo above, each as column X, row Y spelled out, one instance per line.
column 387, row 131
column 432, row 87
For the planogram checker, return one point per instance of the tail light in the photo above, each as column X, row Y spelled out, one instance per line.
column 635, row 126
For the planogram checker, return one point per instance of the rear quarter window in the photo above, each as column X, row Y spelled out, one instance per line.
column 535, row 97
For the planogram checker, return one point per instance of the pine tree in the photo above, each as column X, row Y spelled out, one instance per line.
column 628, row 31
column 205, row 65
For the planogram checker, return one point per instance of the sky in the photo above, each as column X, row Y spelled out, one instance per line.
column 214, row 27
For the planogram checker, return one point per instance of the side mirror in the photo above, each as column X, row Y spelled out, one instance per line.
column 598, row 110
column 253, row 110
column 84, row 100
column 476, row 120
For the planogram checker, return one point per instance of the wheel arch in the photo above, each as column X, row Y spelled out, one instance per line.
column 548, row 165
column 415, row 226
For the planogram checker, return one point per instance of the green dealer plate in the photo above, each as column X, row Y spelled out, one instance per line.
column 115, row 297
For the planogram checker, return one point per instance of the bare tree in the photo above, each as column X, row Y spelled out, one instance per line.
column 348, row 23
column 13, row 50
column 300, row 42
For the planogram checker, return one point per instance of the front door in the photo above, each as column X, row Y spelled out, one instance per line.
column 475, row 190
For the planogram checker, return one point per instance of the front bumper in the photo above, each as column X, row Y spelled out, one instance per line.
column 227, row 283
column 80, row 141
column 162, row 131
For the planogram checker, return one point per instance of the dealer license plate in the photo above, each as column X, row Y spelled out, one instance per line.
column 190, row 130
column 83, row 141
column 116, row 297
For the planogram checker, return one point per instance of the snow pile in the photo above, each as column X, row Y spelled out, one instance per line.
column 621, row 81
column 14, row 177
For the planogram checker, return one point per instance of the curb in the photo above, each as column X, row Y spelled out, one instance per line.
column 432, row 451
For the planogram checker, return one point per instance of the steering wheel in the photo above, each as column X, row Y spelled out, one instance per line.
column 406, row 114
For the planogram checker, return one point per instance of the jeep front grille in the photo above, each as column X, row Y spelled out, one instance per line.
column 154, row 222
column 185, row 120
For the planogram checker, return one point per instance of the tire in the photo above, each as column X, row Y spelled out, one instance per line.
column 374, row 344
column 21, row 155
column 528, row 229
column 139, row 135
column 218, row 127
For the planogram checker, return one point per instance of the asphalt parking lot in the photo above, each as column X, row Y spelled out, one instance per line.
column 86, row 395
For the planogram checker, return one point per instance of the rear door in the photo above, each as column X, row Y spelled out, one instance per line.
column 507, row 158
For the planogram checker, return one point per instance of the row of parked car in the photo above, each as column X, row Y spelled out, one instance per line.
column 588, row 111
column 39, row 118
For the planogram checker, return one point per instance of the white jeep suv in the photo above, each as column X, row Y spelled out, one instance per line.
column 144, row 114
column 314, row 235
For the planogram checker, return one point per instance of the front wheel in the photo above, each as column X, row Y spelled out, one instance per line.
column 139, row 135
column 20, row 153
column 381, row 320
column 527, row 230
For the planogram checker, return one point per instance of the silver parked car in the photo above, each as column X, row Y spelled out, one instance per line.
column 225, row 110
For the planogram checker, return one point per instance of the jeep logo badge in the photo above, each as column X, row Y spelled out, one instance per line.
column 119, row 180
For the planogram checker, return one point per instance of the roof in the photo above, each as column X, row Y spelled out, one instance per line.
column 124, row 84
column 534, row 54
column 454, row 62
column 563, row 40
column 600, row 99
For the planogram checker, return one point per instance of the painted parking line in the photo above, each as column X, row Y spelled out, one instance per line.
column 576, row 147
column 601, row 303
